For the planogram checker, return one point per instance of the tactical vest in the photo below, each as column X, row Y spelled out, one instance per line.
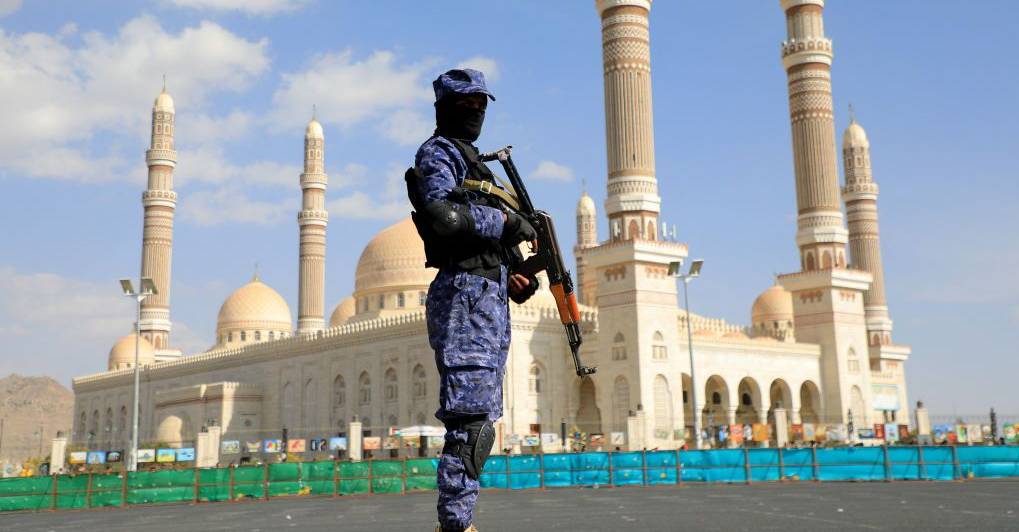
column 470, row 253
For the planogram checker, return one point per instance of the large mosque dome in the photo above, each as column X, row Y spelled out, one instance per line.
column 391, row 274
column 122, row 353
column 253, row 313
column 343, row 312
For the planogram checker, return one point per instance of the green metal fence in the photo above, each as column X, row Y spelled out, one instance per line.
column 642, row 468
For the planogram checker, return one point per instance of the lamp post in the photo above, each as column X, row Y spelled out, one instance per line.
column 675, row 270
column 148, row 288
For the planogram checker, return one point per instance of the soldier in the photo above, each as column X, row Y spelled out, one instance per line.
column 473, row 241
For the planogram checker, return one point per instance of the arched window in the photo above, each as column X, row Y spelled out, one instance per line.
column 620, row 403
column 108, row 424
column 535, row 381
column 272, row 335
column 382, row 301
column 230, row 336
column 401, row 300
column 658, row 349
column 810, row 262
column 826, row 260
column 364, row 385
column 716, row 398
column 852, row 361
column 619, row 347
column 391, row 385
column 308, row 404
column 651, row 230
column 258, row 336
column 82, row 422
column 122, row 424
column 244, row 336
column 633, row 231
column 339, row 391
column 663, row 407
column 421, row 298
column 420, row 382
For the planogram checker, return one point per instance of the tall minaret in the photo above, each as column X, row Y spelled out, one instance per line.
column 312, row 221
column 587, row 237
column 860, row 195
column 633, row 203
column 159, row 201
column 807, row 57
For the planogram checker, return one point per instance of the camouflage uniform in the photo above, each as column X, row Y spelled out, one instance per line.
column 468, row 327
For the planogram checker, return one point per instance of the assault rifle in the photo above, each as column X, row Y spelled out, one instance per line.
column 547, row 257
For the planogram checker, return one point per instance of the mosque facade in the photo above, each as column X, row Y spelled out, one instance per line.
column 818, row 348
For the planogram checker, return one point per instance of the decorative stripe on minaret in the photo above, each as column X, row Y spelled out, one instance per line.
column 159, row 201
column 807, row 57
column 633, row 203
column 312, row 222
column 860, row 194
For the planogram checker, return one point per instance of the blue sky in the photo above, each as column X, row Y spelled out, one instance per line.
column 934, row 85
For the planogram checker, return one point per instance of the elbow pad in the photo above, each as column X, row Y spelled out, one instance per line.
column 449, row 219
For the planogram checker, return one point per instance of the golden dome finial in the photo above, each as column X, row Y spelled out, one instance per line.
column 255, row 276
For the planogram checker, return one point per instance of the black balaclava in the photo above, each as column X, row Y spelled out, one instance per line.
column 458, row 121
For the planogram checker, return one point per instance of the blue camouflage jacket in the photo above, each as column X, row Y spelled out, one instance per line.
column 442, row 168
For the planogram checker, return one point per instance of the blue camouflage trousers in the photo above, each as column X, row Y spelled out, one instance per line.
column 469, row 330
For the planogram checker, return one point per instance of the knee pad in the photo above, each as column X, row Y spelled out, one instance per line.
column 474, row 453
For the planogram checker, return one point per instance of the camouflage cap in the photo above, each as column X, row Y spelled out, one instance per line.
column 460, row 81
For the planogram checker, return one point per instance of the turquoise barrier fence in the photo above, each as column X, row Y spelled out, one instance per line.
column 642, row 468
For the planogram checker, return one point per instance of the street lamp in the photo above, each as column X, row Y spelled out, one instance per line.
column 148, row 288
column 675, row 270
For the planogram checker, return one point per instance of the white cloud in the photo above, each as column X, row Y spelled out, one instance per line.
column 66, row 325
column 250, row 7
column 9, row 6
column 230, row 204
column 407, row 127
column 58, row 96
column 348, row 91
column 486, row 65
column 552, row 171
column 361, row 206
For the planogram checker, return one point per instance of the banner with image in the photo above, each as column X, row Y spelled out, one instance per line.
column 96, row 457
column 736, row 433
column 166, row 455
column 434, row 442
column 975, row 433
column 940, row 433
column 796, row 434
column 114, row 456
column 337, row 443
column 879, row 431
column 761, row 432
column 297, row 445
column 372, row 443
column 77, row 457
column 531, row 440
column 185, row 454
column 1009, row 433
column 809, row 432
column 272, row 446
column 146, row 456
column 253, row 446
column 617, row 438
column 391, row 442
column 961, row 434
column 230, row 447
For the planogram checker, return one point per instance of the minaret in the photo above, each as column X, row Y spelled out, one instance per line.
column 807, row 57
column 587, row 237
column 860, row 195
column 633, row 203
column 159, row 201
column 312, row 221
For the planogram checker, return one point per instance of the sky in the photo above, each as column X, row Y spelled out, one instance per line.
column 934, row 85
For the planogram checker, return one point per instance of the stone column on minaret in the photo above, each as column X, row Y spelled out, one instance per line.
column 587, row 237
column 159, row 201
column 633, row 203
column 312, row 221
column 807, row 57
column 860, row 194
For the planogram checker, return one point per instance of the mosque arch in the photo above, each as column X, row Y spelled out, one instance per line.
column 339, row 400
column 619, row 347
column 781, row 397
column 308, row 403
column 659, row 351
column 826, row 260
column 620, row 403
column 633, row 230
column 663, row 407
column 588, row 414
column 392, row 385
column 122, row 423
column 108, row 425
column 749, row 393
column 82, row 422
column 420, row 382
column 364, row 389
column 810, row 264
column 856, row 404
column 651, row 230
column 716, row 408
column 94, row 425
column 810, row 402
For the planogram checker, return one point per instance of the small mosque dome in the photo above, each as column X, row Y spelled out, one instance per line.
column 163, row 103
column 855, row 136
column 253, row 313
column 343, row 312
column 314, row 130
column 122, row 353
column 585, row 207
column 775, row 303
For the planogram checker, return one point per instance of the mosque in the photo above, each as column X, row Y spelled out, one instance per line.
column 818, row 348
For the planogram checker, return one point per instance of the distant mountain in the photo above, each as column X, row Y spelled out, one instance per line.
column 28, row 405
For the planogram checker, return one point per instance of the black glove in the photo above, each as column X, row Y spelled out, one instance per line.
column 525, row 294
column 517, row 229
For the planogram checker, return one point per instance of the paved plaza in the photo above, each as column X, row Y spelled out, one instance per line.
column 982, row 505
